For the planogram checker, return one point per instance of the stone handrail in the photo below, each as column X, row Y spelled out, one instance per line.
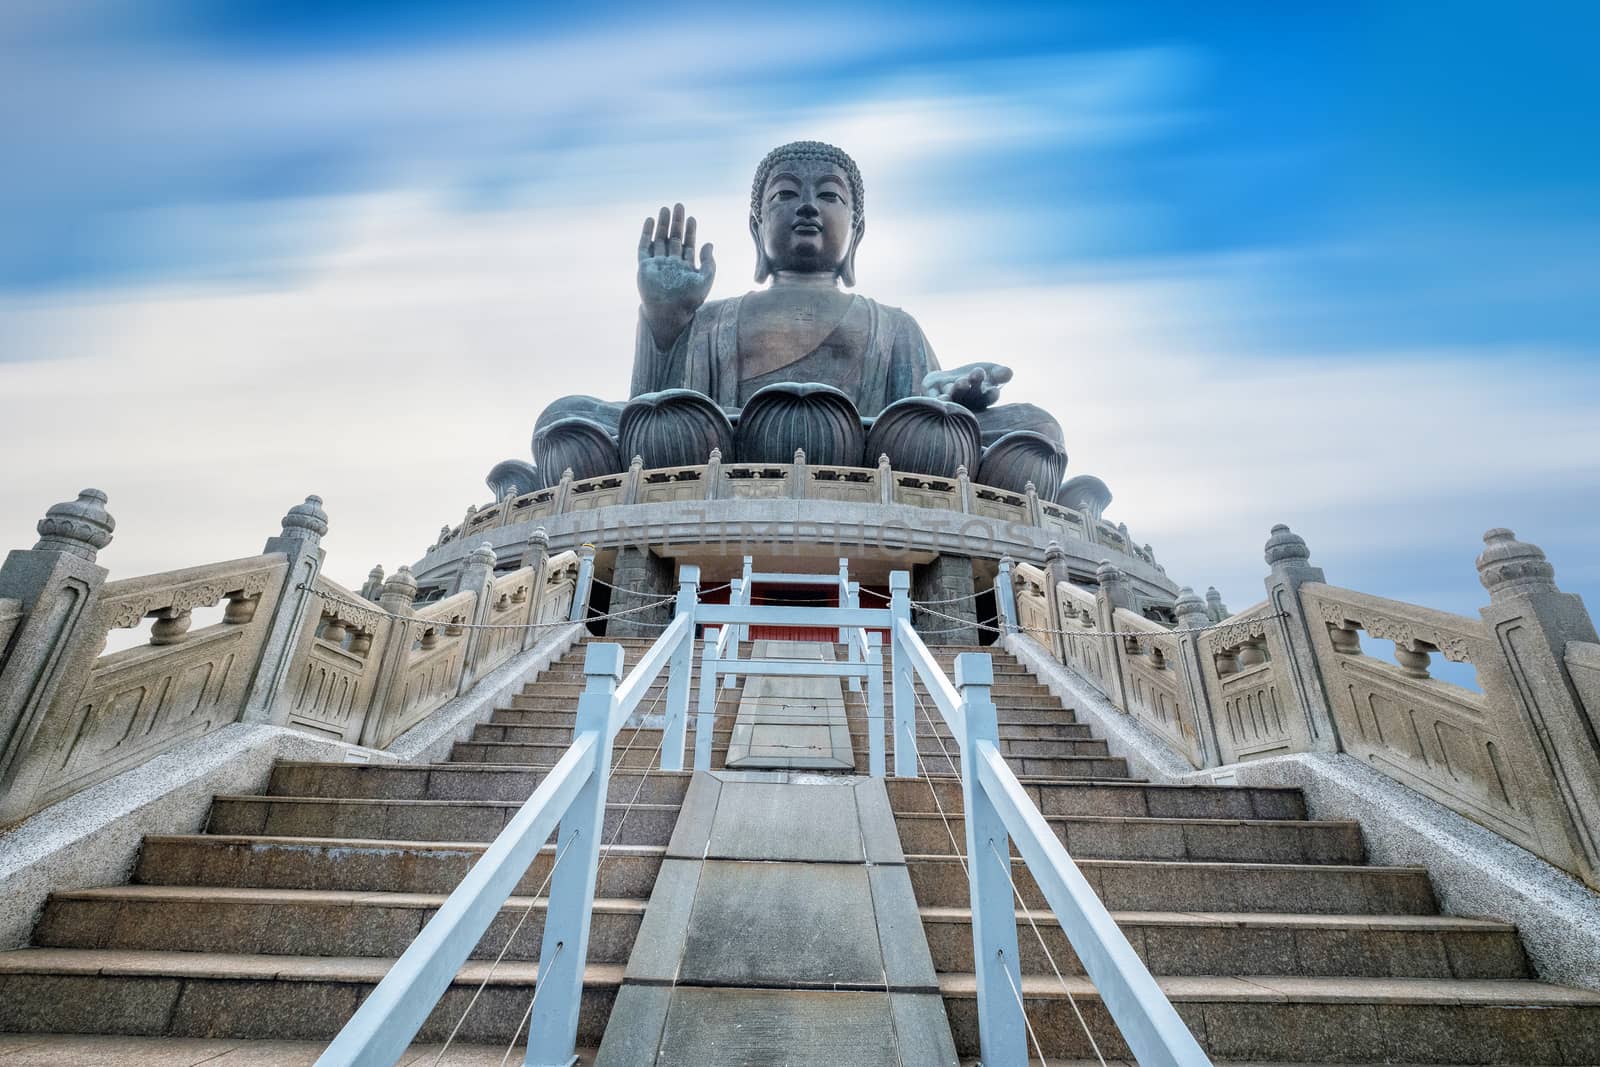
column 1441, row 739
column 293, row 648
column 124, row 708
column 1290, row 675
column 715, row 480
column 11, row 614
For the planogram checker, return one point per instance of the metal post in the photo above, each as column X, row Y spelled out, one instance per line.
column 875, row 759
column 705, row 716
column 736, row 595
column 749, row 568
column 844, row 595
column 1005, row 597
column 853, row 600
column 553, row 1029
column 1002, row 1029
column 905, row 726
column 672, row 743
column 580, row 593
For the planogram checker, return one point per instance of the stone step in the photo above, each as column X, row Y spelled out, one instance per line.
column 936, row 762
column 1180, row 943
column 456, row 781
column 941, row 744
column 1123, row 837
column 1014, row 730
column 1139, row 799
column 413, row 820
column 302, row 922
column 121, row 1050
column 258, row 862
column 1167, row 885
column 204, row 994
column 1296, row 1019
column 515, row 754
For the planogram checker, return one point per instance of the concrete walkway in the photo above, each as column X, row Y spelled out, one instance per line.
column 782, row 929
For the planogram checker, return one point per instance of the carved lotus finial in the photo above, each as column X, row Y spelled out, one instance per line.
column 1108, row 572
column 401, row 586
column 1053, row 552
column 307, row 521
column 483, row 555
column 1284, row 545
column 540, row 537
column 1188, row 603
column 1510, row 566
column 80, row 527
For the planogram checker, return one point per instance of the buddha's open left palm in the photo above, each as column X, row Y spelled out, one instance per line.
column 975, row 386
column 671, row 287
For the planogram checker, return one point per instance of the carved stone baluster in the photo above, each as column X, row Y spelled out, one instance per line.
column 241, row 609
column 1413, row 657
column 171, row 627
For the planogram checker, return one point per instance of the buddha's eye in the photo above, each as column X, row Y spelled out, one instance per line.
column 830, row 196
column 784, row 194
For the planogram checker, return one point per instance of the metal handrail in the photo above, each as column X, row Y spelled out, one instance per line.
column 996, row 812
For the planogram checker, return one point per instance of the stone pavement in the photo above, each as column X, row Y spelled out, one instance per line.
column 791, row 723
column 783, row 919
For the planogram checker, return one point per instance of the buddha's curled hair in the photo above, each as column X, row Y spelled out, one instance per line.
column 810, row 150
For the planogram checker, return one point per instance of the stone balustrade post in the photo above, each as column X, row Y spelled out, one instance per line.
column 964, row 489
column 1290, row 566
column 57, row 583
column 299, row 538
column 799, row 474
column 1215, row 608
column 478, row 576
column 399, row 597
column 1191, row 614
column 1113, row 593
column 581, row 591
column 372, row 588
column 714, row 474
column 1531, row 622
column 1005, row 597
column 1035, row 512
column 1055, row 565
column 885, row 480
column 633, row 480
column 536, row 556
column 563, row 493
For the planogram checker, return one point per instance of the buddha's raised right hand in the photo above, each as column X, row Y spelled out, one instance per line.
column 671, row 289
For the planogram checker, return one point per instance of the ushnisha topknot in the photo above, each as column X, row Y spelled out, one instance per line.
column 810, row 150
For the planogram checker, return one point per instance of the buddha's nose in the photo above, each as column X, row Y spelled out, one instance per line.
column 808, row 209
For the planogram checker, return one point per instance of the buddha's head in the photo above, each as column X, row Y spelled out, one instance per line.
column 807, row 211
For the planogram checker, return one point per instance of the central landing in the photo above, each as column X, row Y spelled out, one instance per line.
column 782, row 929
column 791, row 723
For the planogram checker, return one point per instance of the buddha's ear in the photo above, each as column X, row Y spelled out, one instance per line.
column 763, row 268
column 847, row 269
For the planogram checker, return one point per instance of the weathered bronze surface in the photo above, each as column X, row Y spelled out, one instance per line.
column 807, row 219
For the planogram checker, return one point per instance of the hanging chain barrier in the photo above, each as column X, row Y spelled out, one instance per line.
column 372, row 609
column 1163, row 632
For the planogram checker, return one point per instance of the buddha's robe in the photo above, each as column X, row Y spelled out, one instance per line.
column 875, row 354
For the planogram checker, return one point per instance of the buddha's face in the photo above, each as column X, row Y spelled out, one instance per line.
column 806, row 217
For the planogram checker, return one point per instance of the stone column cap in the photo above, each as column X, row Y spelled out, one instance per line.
column 1508, row 566
column 80, row 527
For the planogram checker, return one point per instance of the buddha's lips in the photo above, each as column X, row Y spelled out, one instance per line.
column 806, row 227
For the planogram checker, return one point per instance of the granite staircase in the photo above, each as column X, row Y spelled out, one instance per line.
column 278, row 919
column 1274, row 937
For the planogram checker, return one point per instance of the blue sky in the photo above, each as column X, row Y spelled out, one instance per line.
column 1330, row 264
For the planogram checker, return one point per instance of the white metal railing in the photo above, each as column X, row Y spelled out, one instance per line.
column 997, row 812
column 571, row 801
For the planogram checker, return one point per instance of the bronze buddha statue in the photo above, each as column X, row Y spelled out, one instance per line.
column 804, row 330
